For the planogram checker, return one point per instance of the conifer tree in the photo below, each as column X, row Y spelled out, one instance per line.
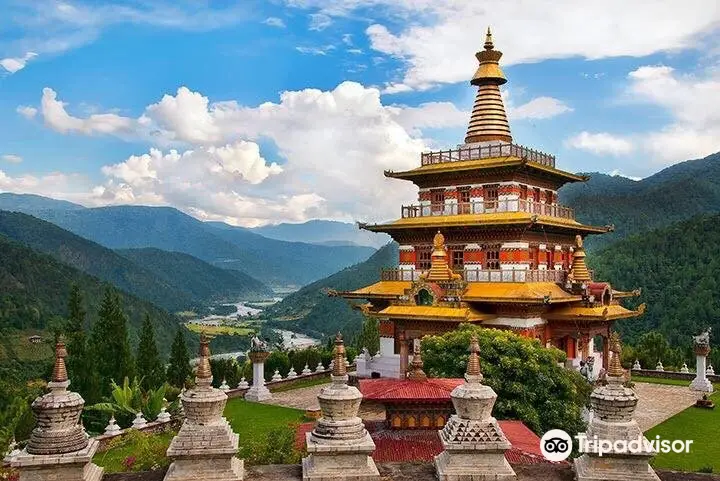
column 110, row 345
column 179, row 369
column 79, row 366
column 147, row 361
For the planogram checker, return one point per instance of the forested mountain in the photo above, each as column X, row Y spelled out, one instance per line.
column 30, row 203
column 34, row 288
column 162, row 278
column 268, row 260
column 311, row 310
column 674, row 194
column 325, row 232
column 198, row 278
column 677, row 268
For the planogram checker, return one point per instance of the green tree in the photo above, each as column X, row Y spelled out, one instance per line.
column 179, row 369
column 78, row 363
column 530, row 384
column 111, row 348
column 369, row 337
column 147, row 360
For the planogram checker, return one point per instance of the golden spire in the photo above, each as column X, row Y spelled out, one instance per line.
column 439, row 268
column 339, row 368
column 203, row 371
column 615, row 368
column 578, row 270
column 59, row 373
column 416, row 372
column 488, row 120
column 473, row 366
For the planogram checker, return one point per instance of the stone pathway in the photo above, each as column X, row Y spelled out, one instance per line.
column 658, row 402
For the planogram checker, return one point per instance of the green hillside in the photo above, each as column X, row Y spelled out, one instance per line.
column 674, row 194
column 200, row 279
column 95, row 260
column 34, row 289
column 311, row 310
column 676, row 267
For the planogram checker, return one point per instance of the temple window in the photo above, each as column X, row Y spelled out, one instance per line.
column 490, row 196
column 423, row 257
column 411, row 423
column 458, row 258
column 523, row 191
column 464, row 200
column 437, row 200
column 549, row 198
column 492, row 257
column 439, row 422
column 536, row 194
column 424, row 298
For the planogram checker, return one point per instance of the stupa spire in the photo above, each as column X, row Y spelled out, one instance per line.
column 416, row 372
column 339, row 367
column 615, row 369
column 439, row 268
column 488, row 121
column 473, row 372
column 203, row 373
column 59, row 373
column 578, row 270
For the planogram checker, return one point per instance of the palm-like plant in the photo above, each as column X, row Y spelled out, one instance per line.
column 130, row 399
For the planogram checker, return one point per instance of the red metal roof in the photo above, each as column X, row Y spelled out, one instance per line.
column 406, row 390
column 423, row 445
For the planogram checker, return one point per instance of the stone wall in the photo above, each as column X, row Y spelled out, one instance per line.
column 687, row 376
column 273, row 385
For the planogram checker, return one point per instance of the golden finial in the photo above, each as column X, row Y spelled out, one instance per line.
column 439, row 241
column 473, row 366
column 578, row 270
column 488, row 40
column 416, row 365
column 578, row 241
column 339, row 368
column 439, row 268
column 59, row 373
column 615, row 368
column 203, row 368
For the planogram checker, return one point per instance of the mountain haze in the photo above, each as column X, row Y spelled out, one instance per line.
column 325, row 232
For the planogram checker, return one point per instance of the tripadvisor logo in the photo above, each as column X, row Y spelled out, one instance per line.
column 556, row 445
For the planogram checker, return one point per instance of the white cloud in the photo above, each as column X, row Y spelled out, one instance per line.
column 600, row 143
column 274, row 22
column 72, row 187
column 538, row 108
column 27, row 111
column 57, row 118
column 437, row 40
column 316, row 50
column 347, row 39
column 12, row 158
column 430, row 115
column 13, row 64
column 617, row 173
column 319, row 22
column 183, row 116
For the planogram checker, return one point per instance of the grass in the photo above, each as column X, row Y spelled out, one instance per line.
column 668, row 382
column 700, row 425
column 15, row 345
column 252, row 421
column 302, row 383
column 219, row 330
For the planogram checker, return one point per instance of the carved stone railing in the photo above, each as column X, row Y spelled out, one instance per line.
column 487, row 152
column 488, row 207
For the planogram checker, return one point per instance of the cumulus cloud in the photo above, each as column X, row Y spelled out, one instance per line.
column 437, row 40
column 12, row 158
column 14, row 64
column 600, row 143
column 538, row 108
column 27, row 111
column 57, row 118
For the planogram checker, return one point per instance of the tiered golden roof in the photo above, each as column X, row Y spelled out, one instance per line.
column 488, row 120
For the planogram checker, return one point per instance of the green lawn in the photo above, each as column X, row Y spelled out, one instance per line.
column 700, row 425
column 302, row 383
column 254, row 422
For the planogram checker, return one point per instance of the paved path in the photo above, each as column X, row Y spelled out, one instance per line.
column 658, row 402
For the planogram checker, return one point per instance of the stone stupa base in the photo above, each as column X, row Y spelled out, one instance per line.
column 701, row 384
column 205, row 452
column 340, row 461
column 614, row 468
column 473, row 466
column 75, row 466
column 258, row 394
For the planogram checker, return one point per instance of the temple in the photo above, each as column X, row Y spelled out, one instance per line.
column 488, row 243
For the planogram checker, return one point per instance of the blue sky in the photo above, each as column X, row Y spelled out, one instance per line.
column 254, row 112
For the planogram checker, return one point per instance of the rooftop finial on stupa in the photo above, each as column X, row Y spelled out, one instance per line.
column 59, row 373
column 473, row 373
column 615, row 369
column 488, row 121
column 203, row 373
column 339, row 367
column 578, row 270
column 416, row 372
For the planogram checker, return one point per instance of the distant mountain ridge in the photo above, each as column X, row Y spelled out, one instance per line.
column 327, row 232
column 169, row 289
column 29, row 203
column 674, row 194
